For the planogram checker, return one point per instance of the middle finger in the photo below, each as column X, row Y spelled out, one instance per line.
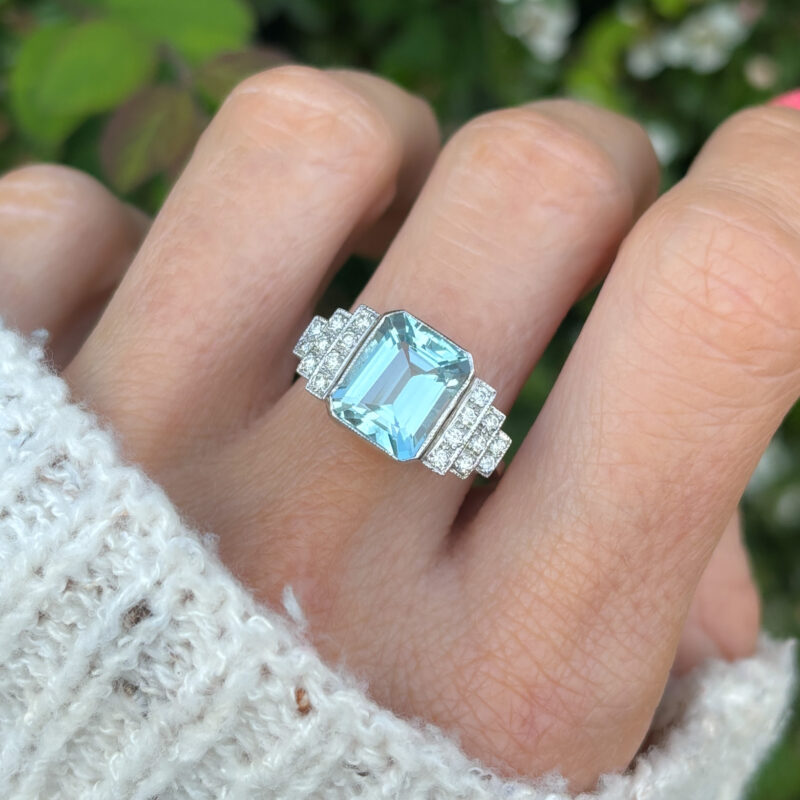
column 197, row 339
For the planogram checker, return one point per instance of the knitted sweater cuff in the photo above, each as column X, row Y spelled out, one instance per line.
column 133, row 665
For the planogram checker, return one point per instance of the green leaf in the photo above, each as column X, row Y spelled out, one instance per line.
column 671, row 9
column 604, row 44
column 586, row 84
column 38, row 123
column 151, row 133
column 595, row 73
column 66, row 73
column 217, row 77
column 94, row 67
column 419, row 50
column 197, row 29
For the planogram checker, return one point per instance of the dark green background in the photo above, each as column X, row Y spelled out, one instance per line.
column 121, row 88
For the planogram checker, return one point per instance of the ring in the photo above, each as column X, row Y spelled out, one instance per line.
column 404, row 387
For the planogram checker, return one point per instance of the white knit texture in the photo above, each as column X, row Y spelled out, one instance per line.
column 132, row 665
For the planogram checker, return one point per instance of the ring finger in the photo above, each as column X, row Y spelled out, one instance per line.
column 524, row 209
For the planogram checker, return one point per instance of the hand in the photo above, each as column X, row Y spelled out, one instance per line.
column 540, row 626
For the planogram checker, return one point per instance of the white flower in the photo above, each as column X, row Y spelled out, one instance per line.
column 702, row 42
column 761, row 72
column 665, row 141
column 644, row 58
column 543, row 25
column 787, row 507
column 705, row 40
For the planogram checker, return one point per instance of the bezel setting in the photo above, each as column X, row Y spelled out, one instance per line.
column 466, row 436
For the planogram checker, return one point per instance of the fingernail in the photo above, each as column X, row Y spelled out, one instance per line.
column 789, row 100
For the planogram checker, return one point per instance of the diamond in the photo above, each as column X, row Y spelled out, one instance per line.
column 481, row 394
column 469, row 416
column 492, row 419
column 404, row 379
column 321, row 343
column 494, row 454
column 478, row 442
column 361, row 323
column 440, row 458
column 455, row 434
column 319, row 382
column 307, row 366
column 464, row 462
column 314, row 328
column 487, row 465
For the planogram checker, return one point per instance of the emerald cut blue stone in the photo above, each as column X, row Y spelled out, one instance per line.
column 403, row 379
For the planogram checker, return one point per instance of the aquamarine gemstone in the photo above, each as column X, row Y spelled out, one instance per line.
column 401, row 382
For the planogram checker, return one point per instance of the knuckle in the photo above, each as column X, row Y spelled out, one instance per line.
column 53, row 203
column 50, row 184
column 510, row 155
column 755, row 152
column 735, row 267
column 310, row 109
column 753, row 128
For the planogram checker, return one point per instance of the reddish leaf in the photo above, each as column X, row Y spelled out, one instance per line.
column 151, row 133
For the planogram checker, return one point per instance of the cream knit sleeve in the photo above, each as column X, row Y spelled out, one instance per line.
column 132, row 665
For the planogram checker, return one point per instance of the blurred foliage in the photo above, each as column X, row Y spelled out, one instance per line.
column 122, row 88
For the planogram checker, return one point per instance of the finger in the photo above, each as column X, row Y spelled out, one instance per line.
column 64, row 243
column 725, row 615
column 199, row 336
column 420, row 136
column 522, row 211
column 688, row 363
